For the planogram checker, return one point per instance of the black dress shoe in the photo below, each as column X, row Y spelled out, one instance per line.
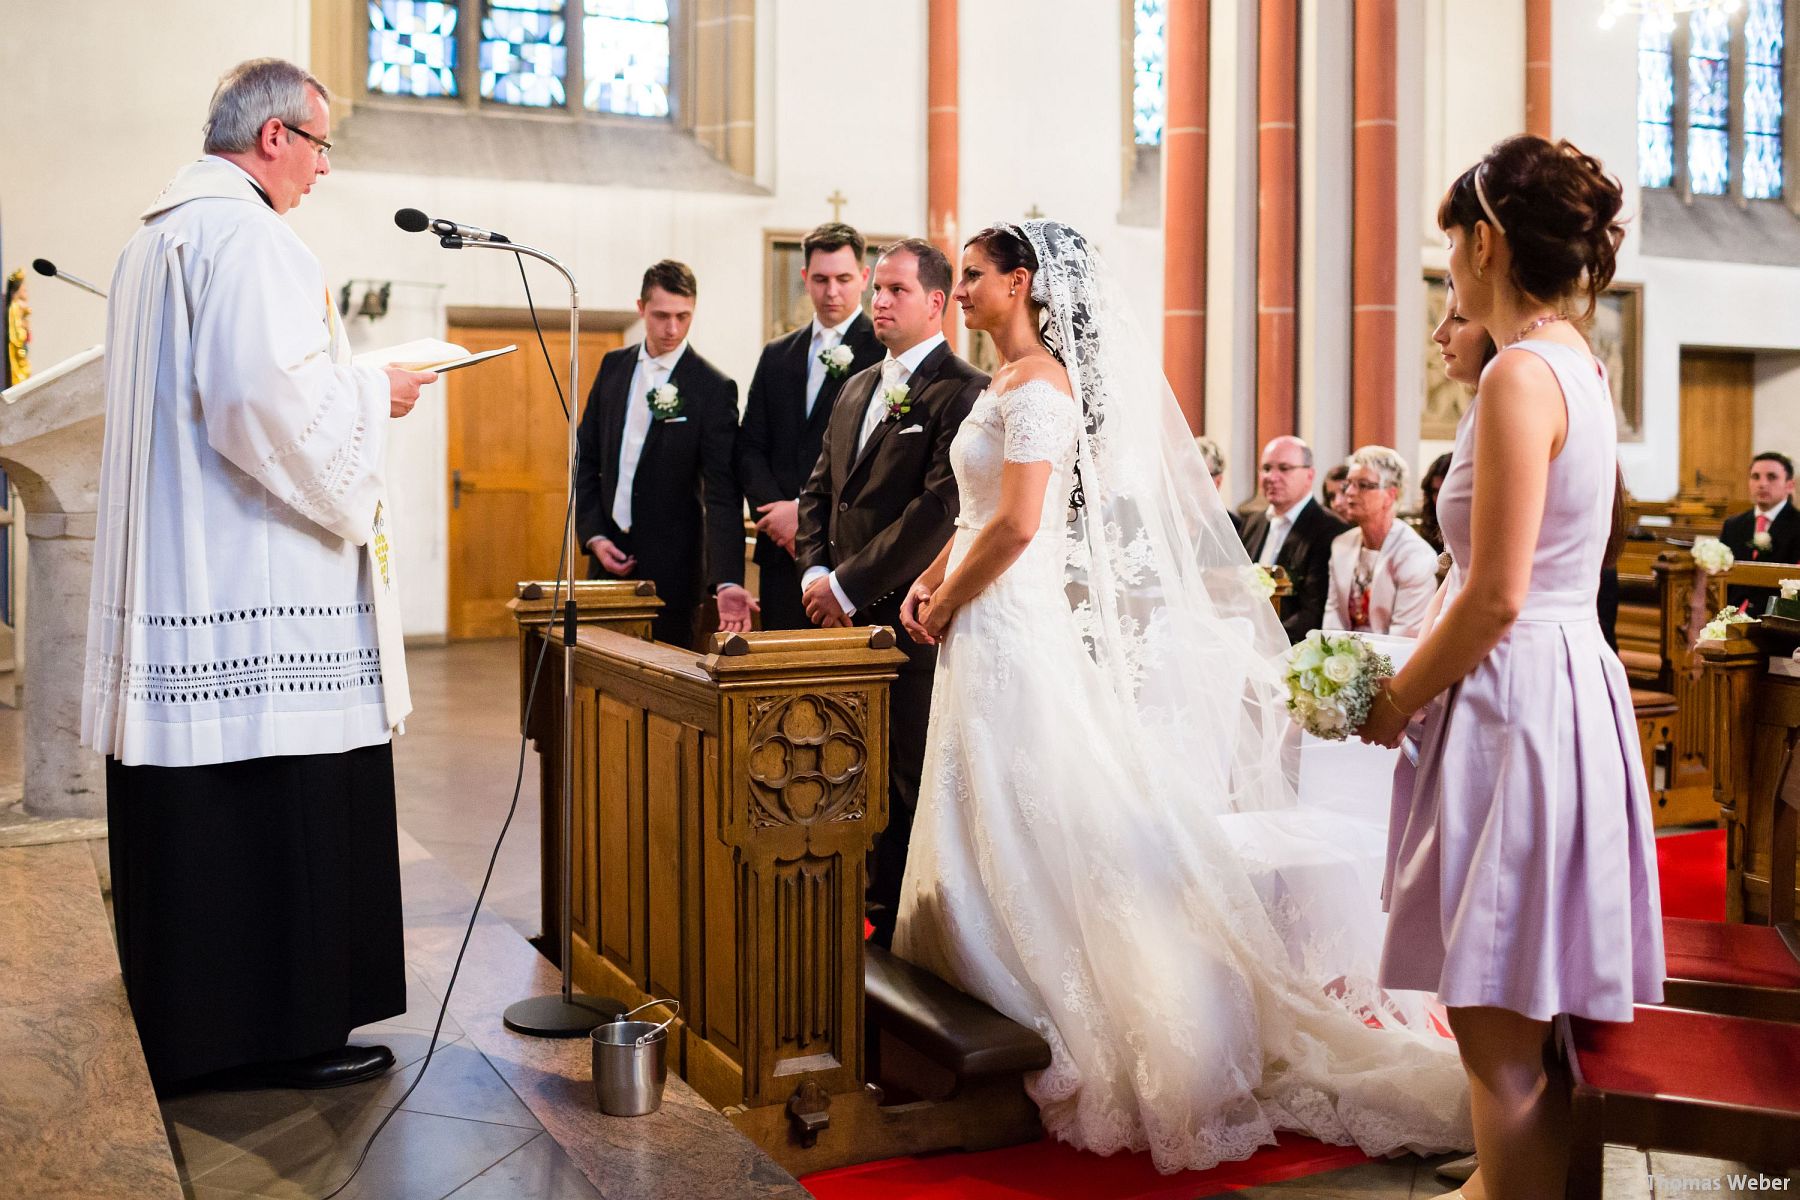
column 333, row 1068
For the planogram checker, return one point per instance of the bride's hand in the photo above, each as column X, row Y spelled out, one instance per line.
column 919, row 594
column 1386, row 722
column 935, row 618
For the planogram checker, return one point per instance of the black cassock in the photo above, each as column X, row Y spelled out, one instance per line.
column 257, row 905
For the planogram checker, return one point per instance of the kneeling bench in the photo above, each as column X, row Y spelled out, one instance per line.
column 951, row 1069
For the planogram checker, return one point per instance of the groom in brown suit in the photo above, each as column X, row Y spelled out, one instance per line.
column 880, row 505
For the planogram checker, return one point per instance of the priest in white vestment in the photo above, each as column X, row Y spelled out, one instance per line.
column 244, row 664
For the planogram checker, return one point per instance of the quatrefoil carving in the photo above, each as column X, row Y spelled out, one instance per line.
column 807, row 758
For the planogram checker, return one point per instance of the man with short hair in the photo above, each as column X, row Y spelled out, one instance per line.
column 245, row 668
column 791, row 395
column 1294, row 533
column 657, row 497
column 879, row 506
column 1770, row 530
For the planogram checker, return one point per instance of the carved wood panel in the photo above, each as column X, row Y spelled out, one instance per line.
column 808, row 758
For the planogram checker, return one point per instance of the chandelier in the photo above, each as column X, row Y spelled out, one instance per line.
column 1663, row 11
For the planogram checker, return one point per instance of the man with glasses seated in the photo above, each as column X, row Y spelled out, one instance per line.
column 1294, row 533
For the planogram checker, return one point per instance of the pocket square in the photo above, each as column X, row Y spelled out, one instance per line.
column 909, row 429
column 674, row 420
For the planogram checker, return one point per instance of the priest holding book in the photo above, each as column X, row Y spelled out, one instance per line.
column 245, row 671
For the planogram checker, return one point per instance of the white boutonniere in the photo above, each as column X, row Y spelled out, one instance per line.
column 1762, row 540
column 898, row 399
column 837, row 360
column 666, row 401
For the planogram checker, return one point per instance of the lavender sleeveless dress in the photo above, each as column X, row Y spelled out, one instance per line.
column 1521, row 862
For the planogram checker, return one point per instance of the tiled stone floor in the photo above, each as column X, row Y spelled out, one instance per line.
column 464, row 1132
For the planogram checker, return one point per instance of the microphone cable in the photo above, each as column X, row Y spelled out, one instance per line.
column 563, row 567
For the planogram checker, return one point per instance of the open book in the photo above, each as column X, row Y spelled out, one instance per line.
column 427, row 354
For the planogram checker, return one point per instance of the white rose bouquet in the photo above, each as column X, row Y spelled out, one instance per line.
column 1790, row 589
column 1332, row 680
column 1719, row 628
column 1713, row 556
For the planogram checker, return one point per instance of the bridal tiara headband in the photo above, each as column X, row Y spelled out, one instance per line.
column 1482, row 196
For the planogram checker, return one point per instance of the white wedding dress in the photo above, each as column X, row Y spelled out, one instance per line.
column 1069, row 867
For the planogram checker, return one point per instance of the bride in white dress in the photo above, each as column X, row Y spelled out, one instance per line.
column 1108, row 691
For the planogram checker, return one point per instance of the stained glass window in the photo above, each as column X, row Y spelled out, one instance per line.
column 412, row 47
column 625, row 57
column 1709, row 102
column 1763, row 101
column 1150, row 56
column 1656, row 105
column 524, row 54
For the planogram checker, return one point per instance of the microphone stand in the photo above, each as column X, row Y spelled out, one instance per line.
column 565, row 1014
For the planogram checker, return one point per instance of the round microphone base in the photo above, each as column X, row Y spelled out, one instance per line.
column 554, row 1017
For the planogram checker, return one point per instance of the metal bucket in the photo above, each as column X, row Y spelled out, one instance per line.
column 631, row 1062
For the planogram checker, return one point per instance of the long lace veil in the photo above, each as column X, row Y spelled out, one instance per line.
column 1156, row 573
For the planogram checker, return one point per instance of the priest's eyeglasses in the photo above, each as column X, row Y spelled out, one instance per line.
column 319, row 143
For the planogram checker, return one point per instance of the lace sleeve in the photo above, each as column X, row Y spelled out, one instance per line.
column 1040, row 423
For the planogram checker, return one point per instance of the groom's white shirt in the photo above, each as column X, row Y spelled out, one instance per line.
column 908, row 362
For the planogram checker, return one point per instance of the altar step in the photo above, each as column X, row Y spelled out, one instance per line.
column 78, row 1117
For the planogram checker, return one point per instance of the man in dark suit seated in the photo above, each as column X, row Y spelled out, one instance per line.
column 656, row 497
column 880, row 504
column 1294, row 533
column 1770, row 531
column 791, row 396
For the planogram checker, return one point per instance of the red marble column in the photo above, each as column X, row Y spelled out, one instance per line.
column 1537, row 67
column 1278, row 208
column 1375, row 207
column 1184, row 156
column 942, row 123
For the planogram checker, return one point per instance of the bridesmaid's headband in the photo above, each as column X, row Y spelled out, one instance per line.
column 1482, row 196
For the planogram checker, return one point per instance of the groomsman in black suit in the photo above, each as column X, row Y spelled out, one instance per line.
column 791, row 396
column 880, row 505
column 1294, row 533
column 656, row 495
column 1770, row 531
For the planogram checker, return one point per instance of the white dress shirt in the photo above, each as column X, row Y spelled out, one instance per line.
column 1279, row 528
column 823, row 339
column 895, row 368
column 1770, row 513
column 649, row 373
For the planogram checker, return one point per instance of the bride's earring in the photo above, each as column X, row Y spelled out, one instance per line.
column 1014, row 291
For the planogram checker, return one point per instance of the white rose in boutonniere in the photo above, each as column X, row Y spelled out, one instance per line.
column 666, row 401
column 898, row 399
column 837, row 360
column 1762, row 541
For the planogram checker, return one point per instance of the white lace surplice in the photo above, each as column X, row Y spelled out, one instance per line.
column 1048, row 877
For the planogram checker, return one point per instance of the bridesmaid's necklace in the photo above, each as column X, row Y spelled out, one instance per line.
column 1536, row 325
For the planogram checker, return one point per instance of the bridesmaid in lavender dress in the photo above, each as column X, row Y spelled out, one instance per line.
column 1522, row 869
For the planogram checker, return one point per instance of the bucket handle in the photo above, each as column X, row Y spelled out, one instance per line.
column 642, row 1038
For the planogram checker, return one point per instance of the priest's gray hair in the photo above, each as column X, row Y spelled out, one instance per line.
column 250, row 94
column 1387, row 464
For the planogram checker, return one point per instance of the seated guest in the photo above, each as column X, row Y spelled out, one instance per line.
column 1428, row 494
column 1383, row 574
column 1215, row 466
column 1333, row 493
column 1293, row 533
column 1770, row 531
column 657, row 496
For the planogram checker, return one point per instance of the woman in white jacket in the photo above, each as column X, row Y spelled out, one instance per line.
column 1383, row 573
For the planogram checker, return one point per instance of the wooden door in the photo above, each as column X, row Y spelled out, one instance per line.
column 508, row 465
column 1718, row 404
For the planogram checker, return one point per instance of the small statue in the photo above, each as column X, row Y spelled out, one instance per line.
column 18, row 329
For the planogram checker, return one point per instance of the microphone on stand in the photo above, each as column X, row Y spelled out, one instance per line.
column 452, row 234
column 44, row 266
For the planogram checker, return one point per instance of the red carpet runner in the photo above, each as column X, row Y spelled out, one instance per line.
column 1692, row 872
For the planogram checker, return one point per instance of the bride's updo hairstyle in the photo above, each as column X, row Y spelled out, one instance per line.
column 1005, row 248
column 1558, row 209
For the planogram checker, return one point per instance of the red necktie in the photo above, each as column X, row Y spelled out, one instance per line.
column 1762, row 526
